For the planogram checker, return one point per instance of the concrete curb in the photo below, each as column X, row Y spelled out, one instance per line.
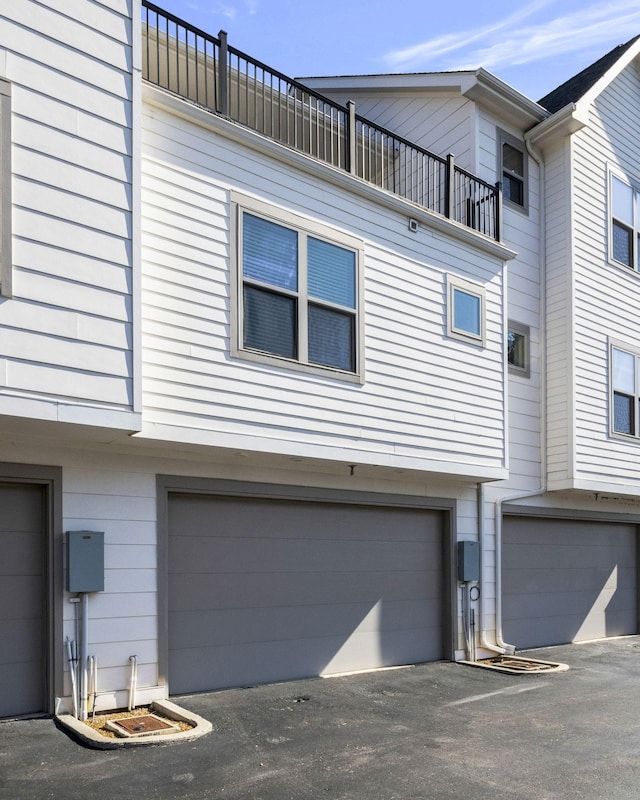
column 92, row 738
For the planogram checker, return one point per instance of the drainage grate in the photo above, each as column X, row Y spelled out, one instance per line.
column 517, row 665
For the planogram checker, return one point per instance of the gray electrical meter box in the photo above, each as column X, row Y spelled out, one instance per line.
column 468, row 561
column 85, row 561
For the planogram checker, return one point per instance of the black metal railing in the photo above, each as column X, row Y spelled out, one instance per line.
column 207, row 71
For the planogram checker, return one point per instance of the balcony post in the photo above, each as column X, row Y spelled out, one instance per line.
column 450, row 188
column 351, row 137
column 498, row 230
column 223, row 93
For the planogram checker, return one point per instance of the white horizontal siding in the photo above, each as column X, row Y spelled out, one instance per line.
column 607, row 296
column 68, row 330
column 424, row 394
column 441, row 125
column 522, row 233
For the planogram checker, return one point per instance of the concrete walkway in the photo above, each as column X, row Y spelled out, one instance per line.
column 430, row 732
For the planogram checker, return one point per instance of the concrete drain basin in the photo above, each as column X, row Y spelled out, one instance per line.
column 517, row 665
column 159, row 726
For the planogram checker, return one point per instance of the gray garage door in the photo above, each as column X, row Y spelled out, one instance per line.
column 567, row 581
column 263, row 591
column 22, row 582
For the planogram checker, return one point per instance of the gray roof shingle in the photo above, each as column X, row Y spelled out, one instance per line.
column 573, row 89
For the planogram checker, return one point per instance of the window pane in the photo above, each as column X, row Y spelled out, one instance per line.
column 331, row 338
column 622, row 201
column 512, row 159
column 516, row 349
column 270, row 252
column 332, row 273
column 624, row 371
column 513, row 190
column 466, row 312
column 623, row 421
column 622, row 244
column 270, row 322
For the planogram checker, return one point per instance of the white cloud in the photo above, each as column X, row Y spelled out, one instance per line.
column 510, row 42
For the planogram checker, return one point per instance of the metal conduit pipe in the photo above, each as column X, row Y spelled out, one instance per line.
column 500, row 646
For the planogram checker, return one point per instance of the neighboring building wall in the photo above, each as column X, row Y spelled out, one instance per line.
column 439, row 124
column 428, row 399
column 66, row 334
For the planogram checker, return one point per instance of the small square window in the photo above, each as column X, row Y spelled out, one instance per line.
column 465, row 313
column 518, row 339
column 513, row 171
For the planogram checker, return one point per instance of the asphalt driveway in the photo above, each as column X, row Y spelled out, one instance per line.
column 433, row 731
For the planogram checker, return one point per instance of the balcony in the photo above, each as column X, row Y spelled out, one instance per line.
column 210, row 73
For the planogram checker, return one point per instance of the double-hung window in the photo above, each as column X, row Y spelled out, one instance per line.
column 298, row 292
column 625, row 227
column 513, row 162
column 625, row 394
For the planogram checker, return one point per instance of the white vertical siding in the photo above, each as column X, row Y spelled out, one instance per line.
column 66, row 335
column 421, row 398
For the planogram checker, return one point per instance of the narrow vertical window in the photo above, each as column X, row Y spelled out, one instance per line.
column 624, row 384
column 513, row 171
column 624, row 228
column 518, row 349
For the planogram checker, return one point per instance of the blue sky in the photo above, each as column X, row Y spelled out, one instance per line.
column 533, row 46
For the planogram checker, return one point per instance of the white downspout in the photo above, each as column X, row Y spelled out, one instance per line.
column 500, row 645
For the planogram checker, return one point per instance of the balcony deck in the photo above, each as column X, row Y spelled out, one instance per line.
column 210, row 73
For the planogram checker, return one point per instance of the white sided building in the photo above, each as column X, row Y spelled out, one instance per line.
column 269, row 354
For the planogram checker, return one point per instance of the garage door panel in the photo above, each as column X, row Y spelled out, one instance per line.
column 569, row 602
column 578, row 555
column 541, row 581
column 21, row 596
column 237, row 626
column 222, row 554
column 265, row 662
column 228, row 591
column 568, row 580
column 26, row 553
column 22, row 640
column 22, row 509
column 257, row 516
column 22, row 612
column 22, row 688
column 272, row 590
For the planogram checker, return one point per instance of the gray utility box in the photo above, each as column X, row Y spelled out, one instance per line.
column 85, row 561
column 468, row 561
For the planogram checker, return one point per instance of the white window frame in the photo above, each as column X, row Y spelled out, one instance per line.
column 521, row 330
column 6, row 265
column 635, row 353
column 304, row 226
column 454, row 284
column 634, row 228
column 506, row 138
